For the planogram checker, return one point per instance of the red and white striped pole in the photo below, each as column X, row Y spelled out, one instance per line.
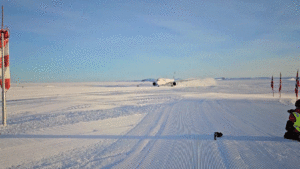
column 5, row 60
column 5, row 68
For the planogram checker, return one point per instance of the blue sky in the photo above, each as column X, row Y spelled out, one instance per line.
column 109, row 40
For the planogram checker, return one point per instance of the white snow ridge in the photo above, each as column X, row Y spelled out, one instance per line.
column 120, row 125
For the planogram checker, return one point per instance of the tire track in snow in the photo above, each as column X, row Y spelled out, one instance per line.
column 210, row 113
column 185, row 120
column 223, row 118
column 145, row 153
column 124, row 148
column 157, row 156
column 141, row 150
column 183, row 153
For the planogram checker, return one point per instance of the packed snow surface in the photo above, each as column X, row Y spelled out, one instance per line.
column 137, row 125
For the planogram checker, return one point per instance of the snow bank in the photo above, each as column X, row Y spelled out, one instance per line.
column 198, row 82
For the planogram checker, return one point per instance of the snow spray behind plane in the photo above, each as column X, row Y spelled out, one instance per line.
column 197, row 83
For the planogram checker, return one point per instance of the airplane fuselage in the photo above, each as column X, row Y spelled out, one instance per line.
column 164, row 81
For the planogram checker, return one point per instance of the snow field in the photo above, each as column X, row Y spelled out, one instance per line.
column 45, row 143
column 120, row 125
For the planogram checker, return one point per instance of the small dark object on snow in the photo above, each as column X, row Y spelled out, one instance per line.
column 217, row 134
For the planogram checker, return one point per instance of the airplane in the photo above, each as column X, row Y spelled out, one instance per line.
column 164, row 82
column 169, row 82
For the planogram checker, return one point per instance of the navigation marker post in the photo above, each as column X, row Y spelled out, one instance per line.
column 280, row 86
column 3, row 76
column 272, row 85
column 297, row 85
column 5, row 82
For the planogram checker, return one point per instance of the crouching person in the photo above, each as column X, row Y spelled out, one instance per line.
column 293, row 124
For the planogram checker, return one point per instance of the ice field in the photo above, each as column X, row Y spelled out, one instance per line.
column 136, row 125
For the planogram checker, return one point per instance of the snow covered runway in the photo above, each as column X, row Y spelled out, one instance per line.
column 125, row 126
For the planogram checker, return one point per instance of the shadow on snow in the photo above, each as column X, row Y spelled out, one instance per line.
column 162, row 137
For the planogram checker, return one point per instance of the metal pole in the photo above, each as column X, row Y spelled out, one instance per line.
column 3, row 77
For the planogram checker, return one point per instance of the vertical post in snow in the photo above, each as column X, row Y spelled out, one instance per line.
column 3, row 76
column 297, row 85
column 272, row 85
column 280, row 85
